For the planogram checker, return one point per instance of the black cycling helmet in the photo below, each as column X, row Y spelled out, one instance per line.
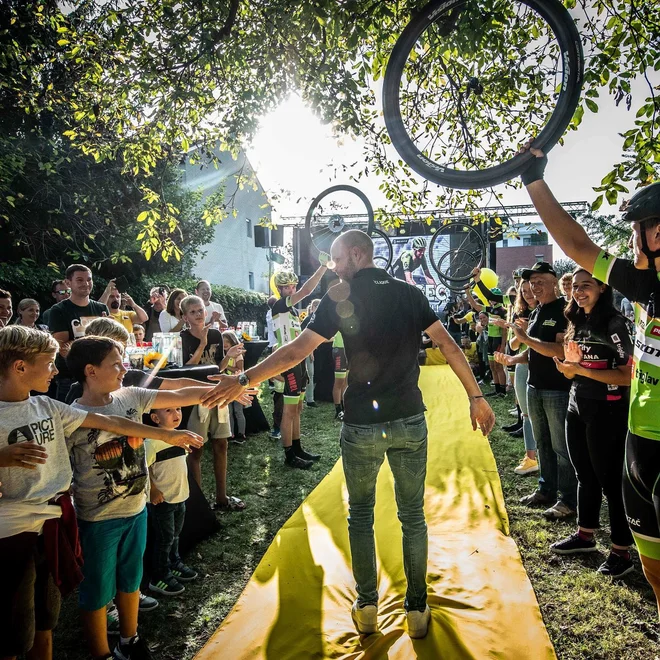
column 644, row 206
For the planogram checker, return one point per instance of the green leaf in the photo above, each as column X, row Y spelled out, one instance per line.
column 592, row 105
column 597, row 203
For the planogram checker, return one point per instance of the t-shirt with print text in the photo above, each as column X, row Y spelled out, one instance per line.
column 214, row 351
column 47, row 423
column 110, row 471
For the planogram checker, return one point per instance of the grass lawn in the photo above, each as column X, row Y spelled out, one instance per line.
column 587, row 616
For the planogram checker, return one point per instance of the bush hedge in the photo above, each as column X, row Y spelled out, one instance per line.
column 26, row 279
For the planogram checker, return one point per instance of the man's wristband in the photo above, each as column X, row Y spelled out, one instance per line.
column 476, row 396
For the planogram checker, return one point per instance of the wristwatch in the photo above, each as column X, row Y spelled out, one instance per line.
column 243, row 380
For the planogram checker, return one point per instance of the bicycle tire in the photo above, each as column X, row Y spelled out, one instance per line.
column 474, row 244
column 331, row 233
column 568, row 38
column 378, row 236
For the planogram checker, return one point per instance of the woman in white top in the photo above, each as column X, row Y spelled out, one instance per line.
column 171, row 318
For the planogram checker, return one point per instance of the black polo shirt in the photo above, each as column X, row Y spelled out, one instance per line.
column 382, row 320
column 545, row 323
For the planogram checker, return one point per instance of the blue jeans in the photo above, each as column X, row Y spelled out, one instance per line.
column 363, row 449
column 166, row 524
column 547, row 412
column 520, row 385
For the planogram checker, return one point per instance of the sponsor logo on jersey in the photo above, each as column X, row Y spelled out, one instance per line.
column 645, row 377
column 615, row 338
column 550, row 322
column 655, row 331
column 381, row 281
column 634, row 522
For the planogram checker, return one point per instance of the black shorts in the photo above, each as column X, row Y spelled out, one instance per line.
column 29, row 598
column 641, row 493
column 295, row 382
column 494, row 344
column 340, row 362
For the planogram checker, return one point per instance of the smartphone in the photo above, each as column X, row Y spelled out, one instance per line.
column 121, row 283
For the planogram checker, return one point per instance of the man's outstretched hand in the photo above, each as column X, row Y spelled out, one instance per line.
column 536, row 168
column 227, row 390
column 482, row 415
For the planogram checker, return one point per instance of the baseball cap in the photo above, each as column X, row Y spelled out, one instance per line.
column 539, row 267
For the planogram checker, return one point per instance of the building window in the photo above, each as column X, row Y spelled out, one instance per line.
column 249, row 227
column 527, row 240
column 505, row 242
column 251, row 280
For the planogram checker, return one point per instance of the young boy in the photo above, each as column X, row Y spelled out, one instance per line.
column 109, row 489
column 138, row 333
column 168, row 475
column 35, row 469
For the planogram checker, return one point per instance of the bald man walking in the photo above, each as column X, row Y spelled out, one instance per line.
column 381, row 320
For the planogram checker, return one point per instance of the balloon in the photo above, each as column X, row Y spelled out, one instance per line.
column 490, row 280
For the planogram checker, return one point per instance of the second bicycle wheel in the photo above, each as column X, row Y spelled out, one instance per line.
column 456, row 249
column 383, row 251
column 469, row 81
column 324, row 227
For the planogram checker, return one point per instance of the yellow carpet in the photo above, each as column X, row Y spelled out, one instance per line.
column 297, row 603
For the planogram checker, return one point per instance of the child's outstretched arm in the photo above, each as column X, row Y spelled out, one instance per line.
column 116, row 424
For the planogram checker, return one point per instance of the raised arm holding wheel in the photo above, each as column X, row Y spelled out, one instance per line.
column 638, row 281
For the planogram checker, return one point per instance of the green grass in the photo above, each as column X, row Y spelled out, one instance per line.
column 587, row 616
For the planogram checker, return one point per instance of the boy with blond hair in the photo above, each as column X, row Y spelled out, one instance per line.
column 35, row 471
column 110, row 480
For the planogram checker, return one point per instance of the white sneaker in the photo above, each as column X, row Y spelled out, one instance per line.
column 418, row 623
column 365, row 618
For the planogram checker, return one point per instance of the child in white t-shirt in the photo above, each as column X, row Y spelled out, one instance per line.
column 168, row 476
column 35, row 472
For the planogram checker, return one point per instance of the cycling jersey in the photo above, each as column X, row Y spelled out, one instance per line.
column 407, row 261
column 641, row 484
column 285, row 321
column 495, row 312
column 338, row 341
column 642, row 287
column 606, row 348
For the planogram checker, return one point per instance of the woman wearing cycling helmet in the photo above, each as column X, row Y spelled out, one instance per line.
column 638, row 281
column 598, row 356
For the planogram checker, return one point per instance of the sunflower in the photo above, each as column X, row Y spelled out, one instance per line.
column 151, row 359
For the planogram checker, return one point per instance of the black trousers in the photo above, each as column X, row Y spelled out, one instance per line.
column 596, row 438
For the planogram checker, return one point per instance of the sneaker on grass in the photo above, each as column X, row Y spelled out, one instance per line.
column 136, row 649
column 183, row 573
column 573, row 545
column 559, row 511
column 616, row 566
column 147, row 603
column 527, row 466
column 112, row 614
column 294, row 461
column 167, row 586
column 537, row 498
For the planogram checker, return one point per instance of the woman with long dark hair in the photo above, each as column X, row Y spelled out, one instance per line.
column 598, row 359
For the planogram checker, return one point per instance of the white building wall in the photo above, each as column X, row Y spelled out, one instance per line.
column 230, row 253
